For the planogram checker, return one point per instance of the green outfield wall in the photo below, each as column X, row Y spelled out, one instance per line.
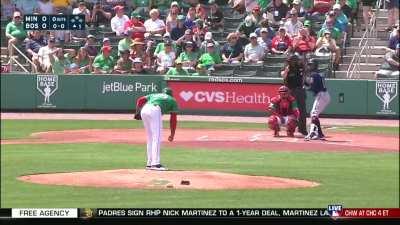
column 195, row 95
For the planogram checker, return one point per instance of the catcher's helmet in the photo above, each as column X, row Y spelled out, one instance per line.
column 313, row 64
column 283, row 89
column 167, row 91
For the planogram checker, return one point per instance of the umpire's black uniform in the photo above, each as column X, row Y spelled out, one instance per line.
column 294, row 81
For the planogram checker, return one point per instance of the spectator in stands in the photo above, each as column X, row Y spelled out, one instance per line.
column 178, row 69
column 15, row 32
column 175, row 7
column 346, row 9
column 390, row 68
column 277, row 11
column 161, row 46
column 256, row 15
column 100, row 14
column 114, row 51
column 166, row 58
column 393, row 13
column 135, row 26
column 189, row 36
column 201, row 12
column 137, row 51
column 215, row 18
column 81, row 9
column 247, row 27
column 190, row 18
column 180, row 28
column 200, row 30
column 253, row 52
column 33, row 43
column 119, row 20
column 326, row 45
column 90, row 46
column 26, row 6
column 265, row 24
column 329, row 25
column 45, row 7
column 44, row 53
column 104, row 62
column 172, row 20
column 210, row 58
column 303, row 43
column 367, row 11
column 138, row 67
column 188, row 57
column 232, row 52
column 264, row 41
column 293, row 25
column 7, row 9
column 281, row 43
column 60, row 65
column 321, row 7
column 307, row 26
column 124, row 63
column 83, row 61
column 341, row 19
column 201, row 70
column 62, row 6
column 394, row 38
column 208, row 38
column 154, row 25
column 125, row 42
column 301, row 12
column 141, row 7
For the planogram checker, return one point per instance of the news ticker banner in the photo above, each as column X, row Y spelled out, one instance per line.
column 333, row 211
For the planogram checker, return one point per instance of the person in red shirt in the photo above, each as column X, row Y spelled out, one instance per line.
column 284, row 112
column 303, row 43
column 136, row 26
column 281, row 43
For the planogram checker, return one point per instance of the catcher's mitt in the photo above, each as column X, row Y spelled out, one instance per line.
column 137, row 114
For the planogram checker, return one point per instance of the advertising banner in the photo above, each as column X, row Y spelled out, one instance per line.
column 223, row 96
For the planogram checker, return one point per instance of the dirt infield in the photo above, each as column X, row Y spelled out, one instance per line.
column 221, row 139
column 147, row 179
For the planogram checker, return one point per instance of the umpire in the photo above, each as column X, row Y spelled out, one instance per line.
column 293, row 78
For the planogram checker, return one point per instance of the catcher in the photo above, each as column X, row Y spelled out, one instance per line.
column 284, row 112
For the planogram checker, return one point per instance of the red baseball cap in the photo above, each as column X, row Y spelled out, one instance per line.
column 118, row 7
column 106, row 48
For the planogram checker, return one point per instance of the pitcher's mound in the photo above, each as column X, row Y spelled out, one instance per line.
column 148, row 179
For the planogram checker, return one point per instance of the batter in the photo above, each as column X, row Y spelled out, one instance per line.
column 316, row 84
column 150, row 109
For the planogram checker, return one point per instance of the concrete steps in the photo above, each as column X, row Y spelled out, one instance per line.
column 374, row 41
column 375, row 59
column 362, row 75
column 375, row 50
column 363, row 67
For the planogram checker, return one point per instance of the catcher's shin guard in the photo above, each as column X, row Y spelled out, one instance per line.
column 291, row 127
column 273, row 124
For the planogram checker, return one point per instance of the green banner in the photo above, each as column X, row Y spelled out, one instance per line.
column 119, row 92
column 17, row 92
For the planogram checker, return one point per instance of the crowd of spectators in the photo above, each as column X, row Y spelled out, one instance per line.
column 171, row 37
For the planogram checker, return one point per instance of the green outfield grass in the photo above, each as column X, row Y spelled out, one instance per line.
column 11, row 129
column 349, row 178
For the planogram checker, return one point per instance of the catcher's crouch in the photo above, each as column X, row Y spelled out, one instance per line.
column 284, row 111
column 150, row 109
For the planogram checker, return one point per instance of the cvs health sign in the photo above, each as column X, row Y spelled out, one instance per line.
column 223, row 96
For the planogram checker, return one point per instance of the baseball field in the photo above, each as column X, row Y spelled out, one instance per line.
column 100, row 163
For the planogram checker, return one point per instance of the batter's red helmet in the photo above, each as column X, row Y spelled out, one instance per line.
column 283, row 89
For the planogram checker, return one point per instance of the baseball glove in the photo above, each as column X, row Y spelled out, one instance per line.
column 137, row 114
